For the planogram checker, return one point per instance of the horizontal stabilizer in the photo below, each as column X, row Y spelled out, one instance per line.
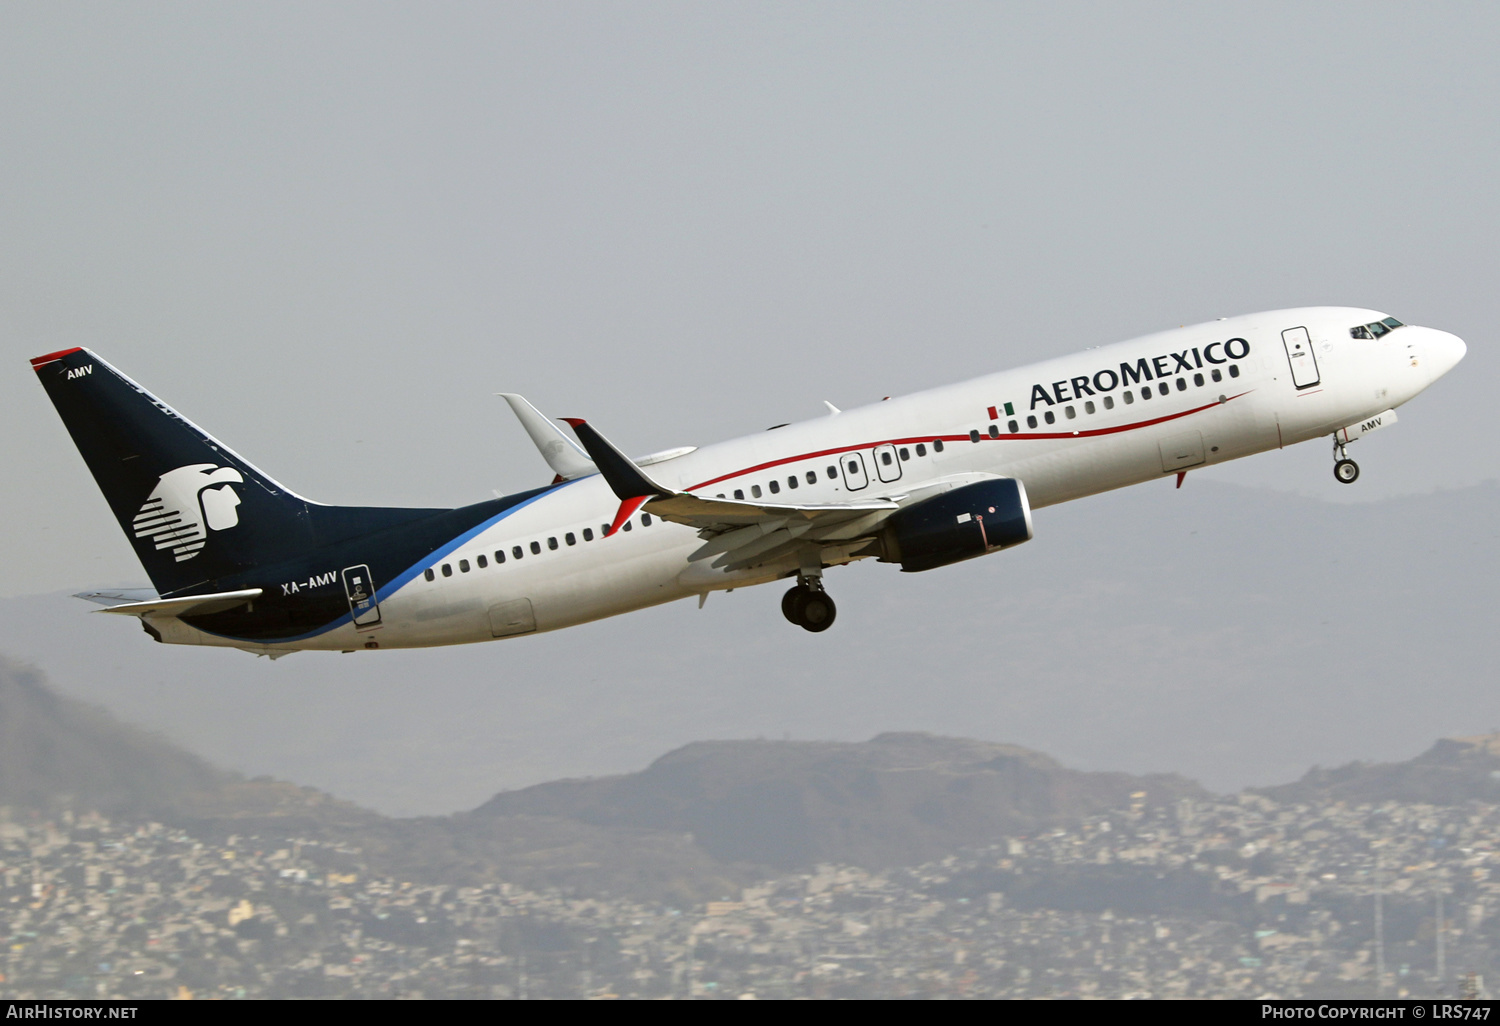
column 190, row 605
column 562, row 454
column 118, row 596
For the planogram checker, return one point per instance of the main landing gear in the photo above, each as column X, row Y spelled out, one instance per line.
column 808, row 605
column 1345, row 470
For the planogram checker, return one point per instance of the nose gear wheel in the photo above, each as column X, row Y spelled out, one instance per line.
column 1345, row 470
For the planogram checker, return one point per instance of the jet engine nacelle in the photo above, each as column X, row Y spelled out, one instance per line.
column 966, row 522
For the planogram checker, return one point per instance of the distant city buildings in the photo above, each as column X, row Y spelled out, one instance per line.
column 1236, row 897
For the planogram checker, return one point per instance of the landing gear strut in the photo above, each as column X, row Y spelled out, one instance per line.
column 1345, row 470
column 808, row 605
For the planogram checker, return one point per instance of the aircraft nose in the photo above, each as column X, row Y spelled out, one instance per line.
column 1444, row 351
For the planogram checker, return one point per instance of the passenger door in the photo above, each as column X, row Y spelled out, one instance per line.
column 360, row 590
column 1299, row 353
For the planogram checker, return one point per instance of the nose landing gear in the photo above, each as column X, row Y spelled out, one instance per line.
column 808, row 605
column 1345, row 470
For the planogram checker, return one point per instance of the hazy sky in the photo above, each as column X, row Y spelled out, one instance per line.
column 329, row 233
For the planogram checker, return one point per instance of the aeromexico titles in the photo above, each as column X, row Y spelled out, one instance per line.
column 921, row 481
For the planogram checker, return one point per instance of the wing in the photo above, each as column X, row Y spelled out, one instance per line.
column 745, row 534
column 739, row 533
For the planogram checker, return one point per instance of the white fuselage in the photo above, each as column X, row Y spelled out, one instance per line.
column 1097, row 440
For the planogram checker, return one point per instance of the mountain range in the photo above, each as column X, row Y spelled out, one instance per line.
column 699, row 822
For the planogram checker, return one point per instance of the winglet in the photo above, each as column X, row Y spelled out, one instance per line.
column 626, row 511
column 561, row 452
column 626, row 479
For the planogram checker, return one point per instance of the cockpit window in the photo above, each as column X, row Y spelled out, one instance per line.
column 1384, row 326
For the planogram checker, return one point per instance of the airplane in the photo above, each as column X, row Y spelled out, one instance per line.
column 922, row 481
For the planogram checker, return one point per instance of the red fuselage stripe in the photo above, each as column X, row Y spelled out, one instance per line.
column 1019, row 437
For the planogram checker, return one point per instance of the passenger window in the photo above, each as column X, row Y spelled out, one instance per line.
column 570, row 538
column 627, row 525
column 645, row 519
column 429, row 574
column 1088, row 407
column 447, row 570
column 833, row 473
column 792, row 481
column 1071, row 413
column 1161, row 386
column 1217, row 374
column 499, row 556
column 1031, row 421
column 719, row 496
column 1109, row 402
column 1012, row 426
column 921, row 449
column 974, row 436
column 812, row 477
column 1234, row 370
column 1129, row 398
column 603, row 530
column 937, row 445
column 755, row 491
column 1182, row 384
column 739, row 493
column 463, row 566
column 552, row 543
column 588, row 533
column 905, row 455
column 1049, row 417
column 536, row 548
column 482, row 561
column 994, row 430
column 1198, row 380
column 516, row 551
column 775, row 487
column 1146, row 393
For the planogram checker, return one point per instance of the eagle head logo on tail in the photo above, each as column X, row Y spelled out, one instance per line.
column 185, row 505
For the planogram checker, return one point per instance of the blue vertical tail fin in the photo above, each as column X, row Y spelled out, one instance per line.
column 195, row 511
